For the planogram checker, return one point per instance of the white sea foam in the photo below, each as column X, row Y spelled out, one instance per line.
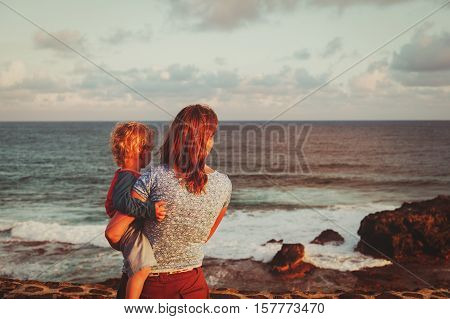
column 243, row 234
column 6, row 224
column 73, row 234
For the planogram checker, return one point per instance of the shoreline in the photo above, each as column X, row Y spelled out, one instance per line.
column 248, row 274
column 414, row 237
column 237, row 280
column 32, row 289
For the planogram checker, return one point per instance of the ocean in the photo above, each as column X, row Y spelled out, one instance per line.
column 54, row 177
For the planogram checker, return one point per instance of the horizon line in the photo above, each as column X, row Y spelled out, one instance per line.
column 303, row 120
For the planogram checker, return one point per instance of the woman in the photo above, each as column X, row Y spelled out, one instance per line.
column 196, row 198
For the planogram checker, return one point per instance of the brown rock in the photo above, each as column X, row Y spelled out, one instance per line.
column 296, row 296
column 289, row 257
column 442, row 294
column 415, row 231
column 412, row 295
column 257, row 297
column 288, row 262
column 328, row 236
column 347, row 295
column 52, row 285
column 387, row 295
column 33, row 289
column 223, row 296
column 71, row 289
column 274, row 241
column 111, row 283
column 92, row 296
column 100, row 292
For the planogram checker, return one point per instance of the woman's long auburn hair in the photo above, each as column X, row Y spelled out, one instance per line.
column 185, row 145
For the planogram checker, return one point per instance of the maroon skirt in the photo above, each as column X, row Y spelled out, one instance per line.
column 185, row 285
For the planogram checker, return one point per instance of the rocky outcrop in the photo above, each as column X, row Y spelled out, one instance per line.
column 274, row 241
column 288, row 262
column 417, row 231
column 328, row 236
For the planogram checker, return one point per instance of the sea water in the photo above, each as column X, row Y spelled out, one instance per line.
column 54, row 178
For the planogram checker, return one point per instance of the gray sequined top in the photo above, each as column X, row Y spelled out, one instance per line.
column 179, row 239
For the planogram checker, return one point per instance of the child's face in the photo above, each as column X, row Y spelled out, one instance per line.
column 145, row 157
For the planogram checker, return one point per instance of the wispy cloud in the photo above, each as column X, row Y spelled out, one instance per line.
column 205, row 15
column 303, row 54
column 12, row 73
column 348, row 3
column 332, row 47
column 73, row 38
column 121, row 35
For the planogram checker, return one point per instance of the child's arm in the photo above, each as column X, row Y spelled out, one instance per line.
column 125, row 203
column 117, row 226
column 160, row 207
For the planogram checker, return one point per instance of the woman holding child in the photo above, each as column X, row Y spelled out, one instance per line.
column 191, row 200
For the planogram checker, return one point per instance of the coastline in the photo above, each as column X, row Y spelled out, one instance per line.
column 388, row 282
column 32, row 289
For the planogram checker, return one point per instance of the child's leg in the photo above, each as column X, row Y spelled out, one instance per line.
column 136, row 283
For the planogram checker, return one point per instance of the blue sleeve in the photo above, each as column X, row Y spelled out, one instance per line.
column 143, row 186
column 125, row 203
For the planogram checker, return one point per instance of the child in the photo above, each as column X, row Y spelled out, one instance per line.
column 131, row 145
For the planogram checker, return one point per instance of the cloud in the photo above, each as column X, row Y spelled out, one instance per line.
column 227, row 15
column 425, row 53
column 121, row 35
column 306, row 80
column 87, row 93
column 332, row 47
column 14, row 76
column 182, row 73
column 12, row 73
column 424, row 61
column 348, row 3
column 21, row 88
column 206, row 15
column 267, row 80
column 302, row 54
column 220, row 61
column 72, row 38
column 375, row 80
column 430, row 79
column 173, row 80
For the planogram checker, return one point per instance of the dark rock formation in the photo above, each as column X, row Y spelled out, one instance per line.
column 418, row 231
column 288, row 262
column 274, row 241
column 328, row 236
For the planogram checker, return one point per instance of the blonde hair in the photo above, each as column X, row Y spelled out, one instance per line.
column 130, row 138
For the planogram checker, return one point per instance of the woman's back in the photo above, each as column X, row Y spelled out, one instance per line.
column 179, row 239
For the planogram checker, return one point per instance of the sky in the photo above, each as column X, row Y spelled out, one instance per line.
column 248, row 59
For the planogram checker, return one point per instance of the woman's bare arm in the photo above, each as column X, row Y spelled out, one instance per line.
column 120, row 222
column 117, row 226
column 216, row 224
